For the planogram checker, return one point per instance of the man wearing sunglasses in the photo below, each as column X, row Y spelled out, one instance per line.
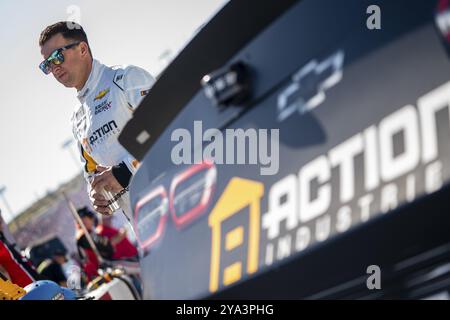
column 108, row 96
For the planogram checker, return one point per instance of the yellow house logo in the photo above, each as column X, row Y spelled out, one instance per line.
column 239, row 194
column 101, row 94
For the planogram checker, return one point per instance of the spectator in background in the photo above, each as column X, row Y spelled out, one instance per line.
column 52, row 269
column 90, row 263
column 123, row 248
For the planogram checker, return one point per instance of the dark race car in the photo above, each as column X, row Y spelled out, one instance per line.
column 299, row 149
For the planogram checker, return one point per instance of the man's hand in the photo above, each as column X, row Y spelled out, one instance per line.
column 104, row 180
column 99, row 203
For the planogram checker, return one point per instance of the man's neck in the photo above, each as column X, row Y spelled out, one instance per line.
column 85, row 76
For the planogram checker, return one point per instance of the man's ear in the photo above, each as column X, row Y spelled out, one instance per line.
column 84, row 48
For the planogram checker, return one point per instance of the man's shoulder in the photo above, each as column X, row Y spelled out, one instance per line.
column 119, row 72
column 126, row 68
column 125, row 75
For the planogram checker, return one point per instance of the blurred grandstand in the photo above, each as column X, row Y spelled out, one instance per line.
column 50, row 217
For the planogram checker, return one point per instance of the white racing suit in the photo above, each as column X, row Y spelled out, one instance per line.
column 108, row 100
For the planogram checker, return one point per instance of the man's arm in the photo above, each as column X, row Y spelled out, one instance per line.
column 89, row 170
column 135, row 83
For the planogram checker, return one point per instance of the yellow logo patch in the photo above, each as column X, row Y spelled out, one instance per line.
column 101, row 94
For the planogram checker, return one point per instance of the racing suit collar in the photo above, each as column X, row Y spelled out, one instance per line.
column 94, row 77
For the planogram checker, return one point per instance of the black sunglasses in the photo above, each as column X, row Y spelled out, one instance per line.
column 56, row 57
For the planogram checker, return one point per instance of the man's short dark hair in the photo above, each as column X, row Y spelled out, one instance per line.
column 68, row 29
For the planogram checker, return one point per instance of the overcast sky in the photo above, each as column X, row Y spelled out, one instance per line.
column 35, row 109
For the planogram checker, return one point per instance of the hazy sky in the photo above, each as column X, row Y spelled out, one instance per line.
column 35, row 109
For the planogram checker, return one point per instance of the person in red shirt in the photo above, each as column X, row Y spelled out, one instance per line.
column 112, row 244
column 123, row 248
column 18, row 269
column 90, row 262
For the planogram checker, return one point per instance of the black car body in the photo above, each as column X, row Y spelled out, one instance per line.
column 362, row 183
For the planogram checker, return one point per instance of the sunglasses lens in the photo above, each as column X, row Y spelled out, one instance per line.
column 44, row 66
column 57, row 58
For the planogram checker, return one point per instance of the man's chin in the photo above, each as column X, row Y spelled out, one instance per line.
column 66, row 84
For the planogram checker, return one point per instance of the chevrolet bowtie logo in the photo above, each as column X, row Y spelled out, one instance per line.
column 308, row 86
column 101, row 94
